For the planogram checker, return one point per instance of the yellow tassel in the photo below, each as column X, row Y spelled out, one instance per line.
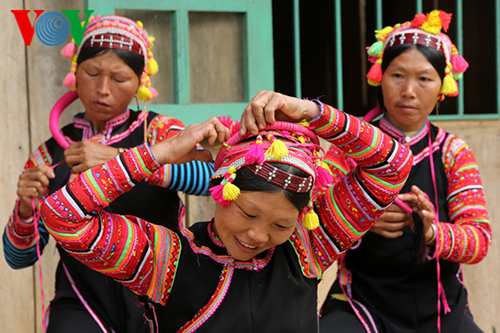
column 383, row 32
column 232, row 169
column 139, row 23
column 152, row 66
column 144, row 93
column 301, row 139
column 303, row 122
column 374, row 83
column 311, row 220
column 325, row 166
column 277, row 151
column 449, row 86
column 230, row 191
column 433, row 23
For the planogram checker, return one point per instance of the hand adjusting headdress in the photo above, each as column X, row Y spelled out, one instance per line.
column 282, row 142
column 116, row 32
column 423, row 30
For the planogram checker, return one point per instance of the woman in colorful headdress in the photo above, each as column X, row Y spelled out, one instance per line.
column 255, row 266
column 113, row 63
column 405, row 274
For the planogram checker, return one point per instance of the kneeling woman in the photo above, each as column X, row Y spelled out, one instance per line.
column 256, row 265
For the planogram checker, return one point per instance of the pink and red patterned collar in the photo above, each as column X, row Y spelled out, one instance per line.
column 86, row 125
column 401, row 136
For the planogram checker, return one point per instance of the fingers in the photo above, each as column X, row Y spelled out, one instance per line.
column 202, row 156
column 182, row 147
column 33, row 182
column 389, row 225
column 393, row 208
column 222, row 131
column 253, row 116
column 386, row 233
column 408, row 197
column 423, row 202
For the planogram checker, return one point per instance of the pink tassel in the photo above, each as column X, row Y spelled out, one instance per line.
column 375, row 73
column 226, row 121
column 372, row 59
column 153, row 91
column 68, row 51
column 255, row 154
column 70, row 80
column 323, row 177
column 235, row 128
column 217, row 194
column 459, row 64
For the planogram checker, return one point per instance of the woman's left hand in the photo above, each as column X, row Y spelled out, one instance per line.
column 83, row 155
column 425, row 209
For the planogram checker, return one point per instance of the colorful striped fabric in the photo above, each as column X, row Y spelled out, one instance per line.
column 136, row 253
column 350, row 207
column 467, row 237
column 190, row 178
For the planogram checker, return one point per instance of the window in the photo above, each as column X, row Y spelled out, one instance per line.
column 213, row 56
column 332, row 59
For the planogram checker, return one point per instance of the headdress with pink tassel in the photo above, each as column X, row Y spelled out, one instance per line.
column 282, row 142
column 422, row 30
column 116, row 32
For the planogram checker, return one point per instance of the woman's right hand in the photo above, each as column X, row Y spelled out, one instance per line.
column 269, row 106
column 32, row 184
column 182, row 148
column 395, row 218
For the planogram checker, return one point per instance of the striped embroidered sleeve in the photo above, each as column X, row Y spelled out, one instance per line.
column 130, row 250
column 19, row 240
column 468, row 237
column 191, row 178
column 351, row 206
column 337, row 162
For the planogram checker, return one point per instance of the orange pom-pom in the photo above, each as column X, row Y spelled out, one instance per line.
column 445, row 19
column 418, row 20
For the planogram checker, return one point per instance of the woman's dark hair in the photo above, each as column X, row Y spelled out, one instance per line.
column 131, row 59
column 246, row 180
column 434, row 57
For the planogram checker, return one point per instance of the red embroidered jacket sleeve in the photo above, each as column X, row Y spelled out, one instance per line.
column 349, row 207
column 21, row 233
column 19, row 237
column 138, row 254
column 468, row 237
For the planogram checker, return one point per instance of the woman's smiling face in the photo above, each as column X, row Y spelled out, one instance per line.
column 411, row 87
column 254, row 223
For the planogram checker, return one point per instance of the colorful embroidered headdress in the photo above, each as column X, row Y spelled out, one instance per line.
column 116, row 32
column 282, row 142
column 423, row 30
